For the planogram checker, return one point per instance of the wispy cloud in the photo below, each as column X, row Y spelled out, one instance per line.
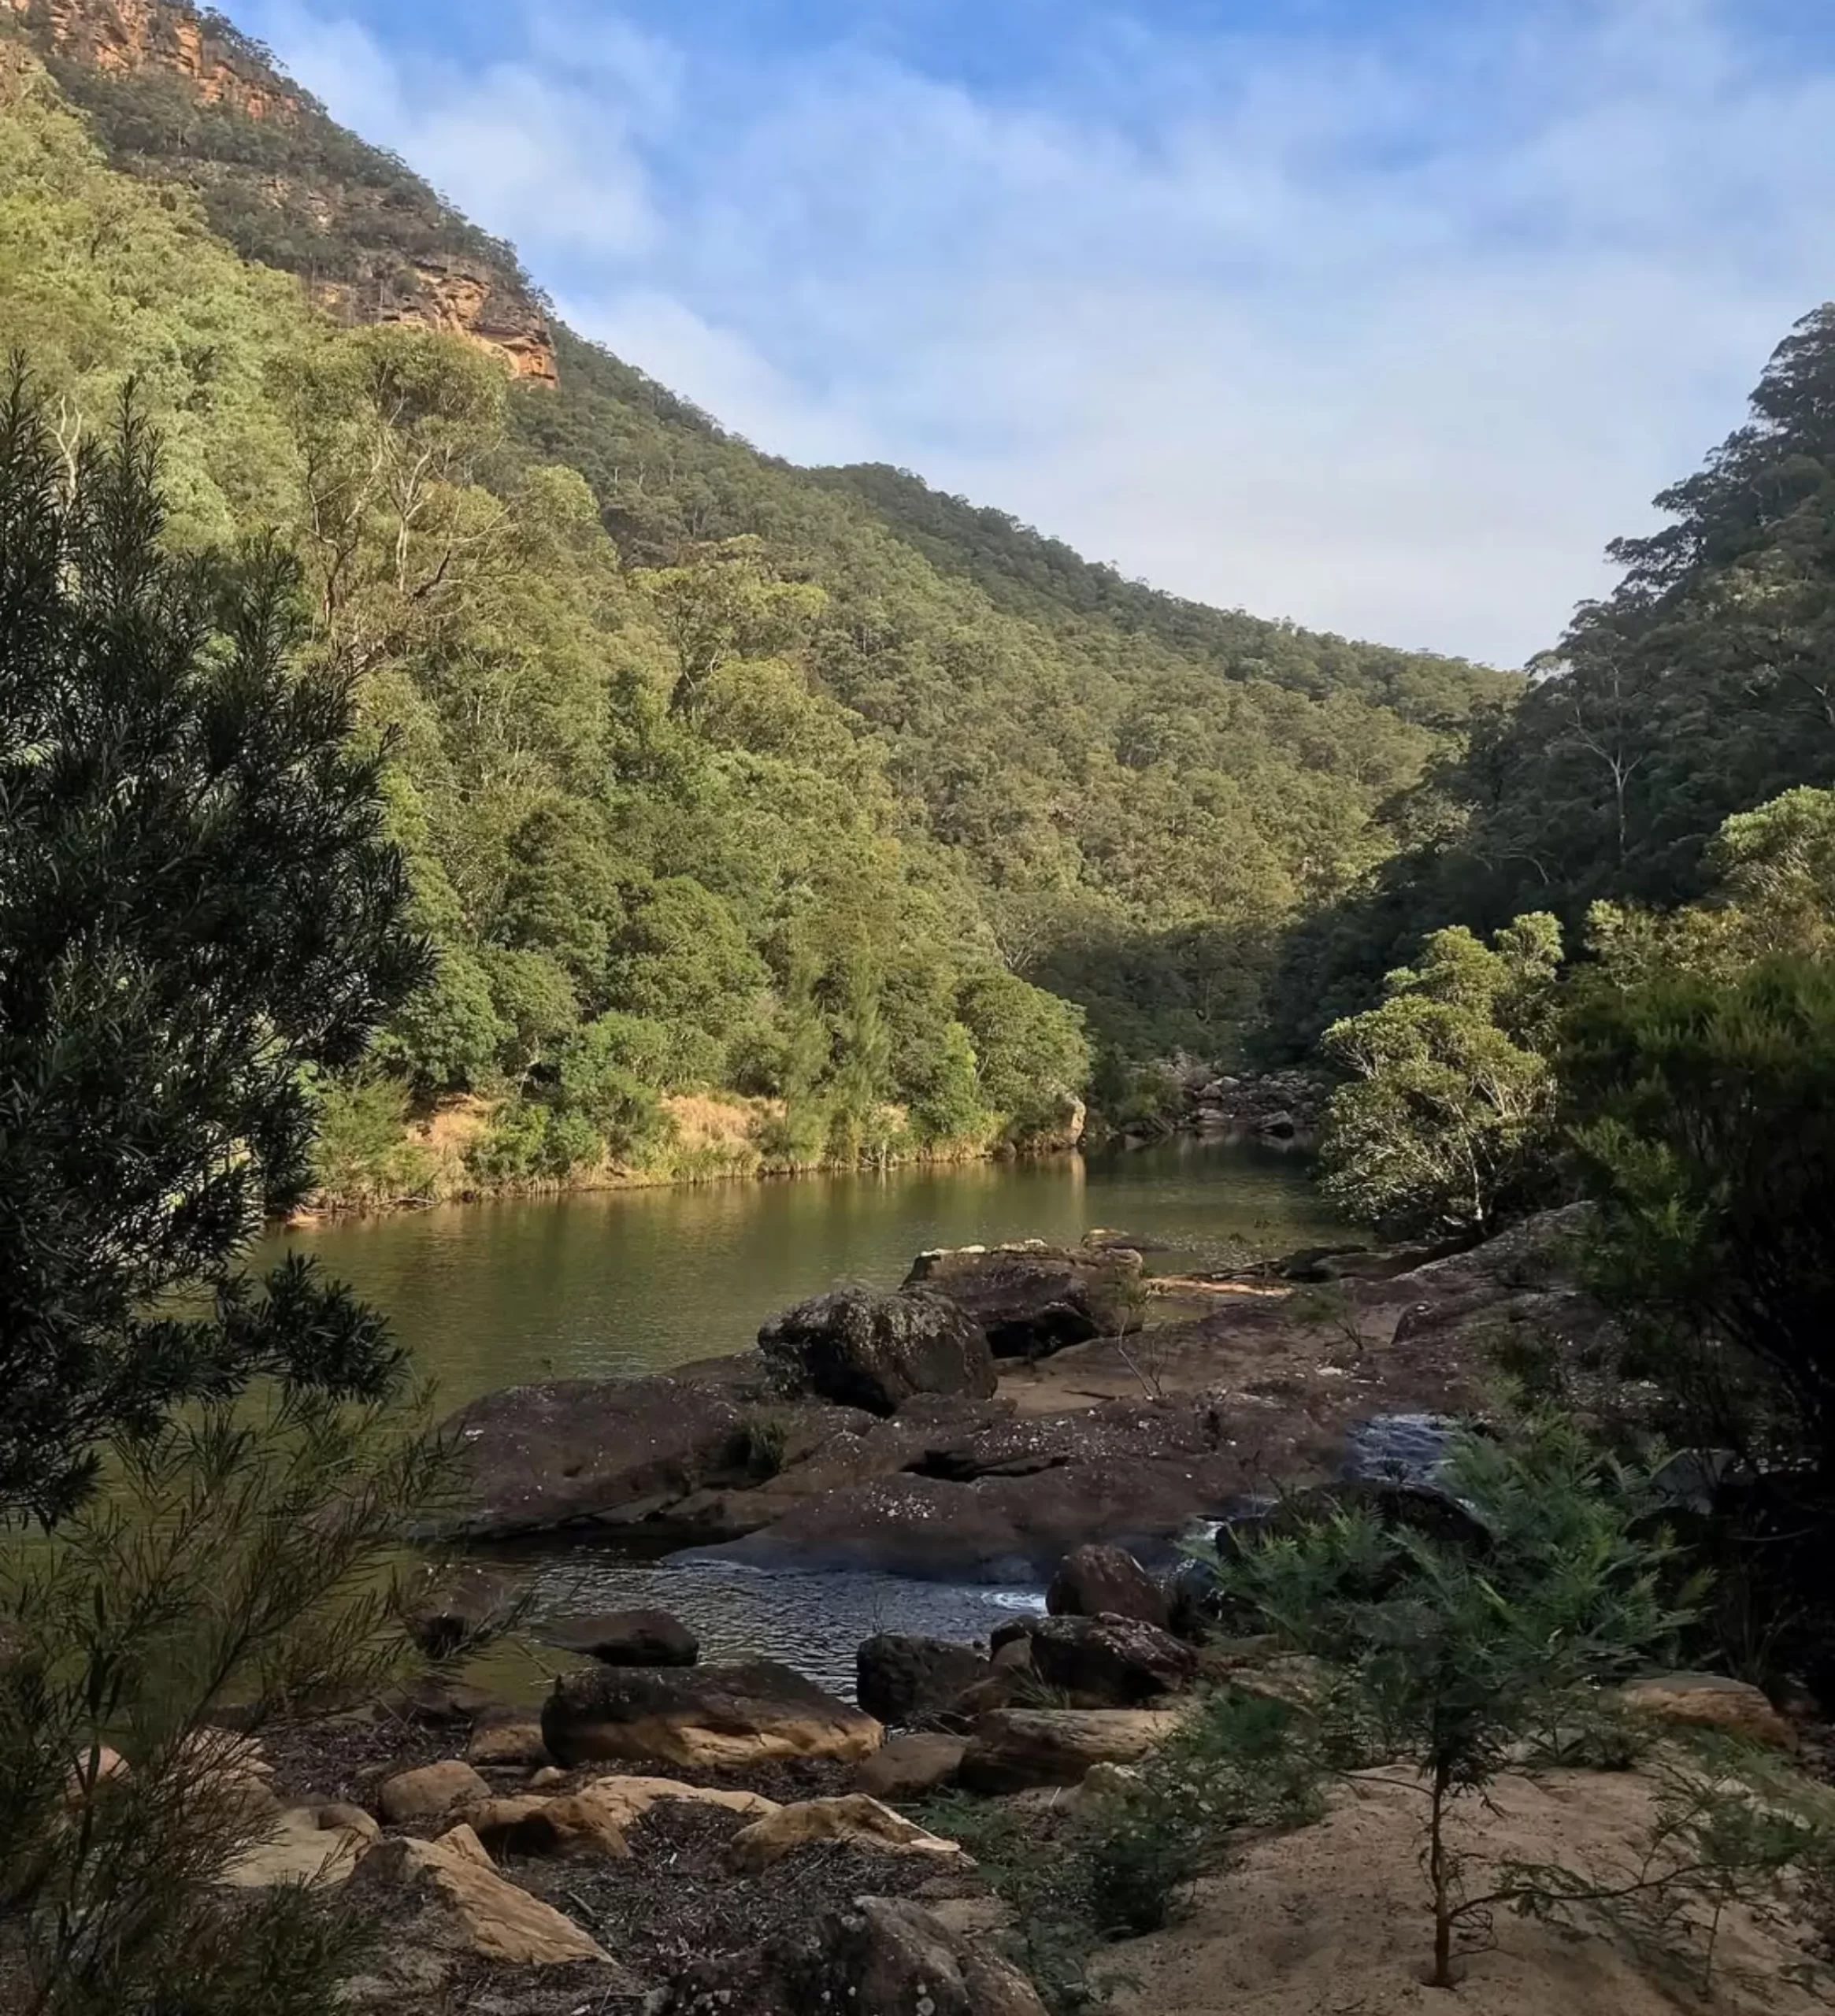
column 1388, row 333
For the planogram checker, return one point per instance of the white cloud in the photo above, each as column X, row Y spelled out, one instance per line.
column 1391, row 341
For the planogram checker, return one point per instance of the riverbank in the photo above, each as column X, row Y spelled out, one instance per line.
column 675, row 1827
column 441, row 1157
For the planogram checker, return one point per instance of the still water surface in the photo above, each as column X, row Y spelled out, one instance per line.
column 625, row 1282
column 629, row 1281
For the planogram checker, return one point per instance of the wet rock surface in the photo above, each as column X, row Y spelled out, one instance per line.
column 626, row 1638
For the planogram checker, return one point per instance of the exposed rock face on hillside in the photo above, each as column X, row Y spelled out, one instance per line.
column 458, row 296
column 150, row 35
column 370, row 241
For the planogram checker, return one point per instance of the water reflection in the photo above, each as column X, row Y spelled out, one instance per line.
column 637, row 1280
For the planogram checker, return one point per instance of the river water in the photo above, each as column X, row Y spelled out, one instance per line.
column 626, row 1282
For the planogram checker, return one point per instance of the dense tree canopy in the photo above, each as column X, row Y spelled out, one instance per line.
column 738, row 779
column 1705, row 684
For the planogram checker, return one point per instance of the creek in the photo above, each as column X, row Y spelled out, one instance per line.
column 626, row 1282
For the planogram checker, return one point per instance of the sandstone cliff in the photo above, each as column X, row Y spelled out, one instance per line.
column 140, row 35
column 370, row 241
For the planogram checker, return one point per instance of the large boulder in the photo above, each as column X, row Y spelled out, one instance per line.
column 912, row 1682
column 458, row 1909
column 1014, row 1749
column 1099, row 1581
column 1032, row 1299
column 1396, row 1507
column 882, row 1956
column 654, row 1455
column 1711, row 1701
column 853, row 1820
column 911, row 1766
column 1110, row 1662
column 626, row 1638
column 580, row 1452
column 707, row 1718
column 875, row 1351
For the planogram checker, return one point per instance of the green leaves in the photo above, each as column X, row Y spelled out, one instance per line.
column 1445, row 1119
column 197, row 905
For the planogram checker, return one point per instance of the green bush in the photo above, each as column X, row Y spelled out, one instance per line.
column 362, row 1154
column 1452, row 1656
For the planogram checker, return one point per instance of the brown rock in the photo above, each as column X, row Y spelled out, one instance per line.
column 297, row 1847
column 622, row 1801
column 1099, row 1581
column 1032, row 1300
column 1017, row 1747
column 434, row 1702
column 911, row 1766
column 467, row 1910
column 1110, row 1662
column 351, row 1819
column 531, row 1824
column 506, row 1744
column 1708, row 1700
column 997, row 1528
column 627, row 1638
column 671, row 1457
column 910, row 1682
column 706, row 1717
column 862, row 1349
column 853, row 1819
column 444, row 1609
column 889, row 1955
column 425, row 1794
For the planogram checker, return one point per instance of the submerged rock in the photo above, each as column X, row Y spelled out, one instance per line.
column 701, row 1717
column 875, row 1351
column 626, row 1638
column 1033, row 1300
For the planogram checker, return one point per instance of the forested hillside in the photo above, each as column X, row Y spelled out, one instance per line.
column 1704, row 685
column 718, row 777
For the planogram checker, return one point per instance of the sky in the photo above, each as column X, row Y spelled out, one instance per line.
column 1383, row 315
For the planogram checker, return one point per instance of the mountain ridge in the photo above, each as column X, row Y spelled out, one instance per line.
column 716, row 774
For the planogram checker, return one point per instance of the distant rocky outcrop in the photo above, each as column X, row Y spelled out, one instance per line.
column 371, row 242
column 118, row 35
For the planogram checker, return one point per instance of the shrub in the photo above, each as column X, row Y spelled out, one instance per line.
column 235, row 1563
column 1451, row 1656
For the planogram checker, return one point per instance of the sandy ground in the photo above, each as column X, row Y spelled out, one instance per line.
column 1331, row 1921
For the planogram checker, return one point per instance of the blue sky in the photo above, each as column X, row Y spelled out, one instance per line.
column 1382, row 314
